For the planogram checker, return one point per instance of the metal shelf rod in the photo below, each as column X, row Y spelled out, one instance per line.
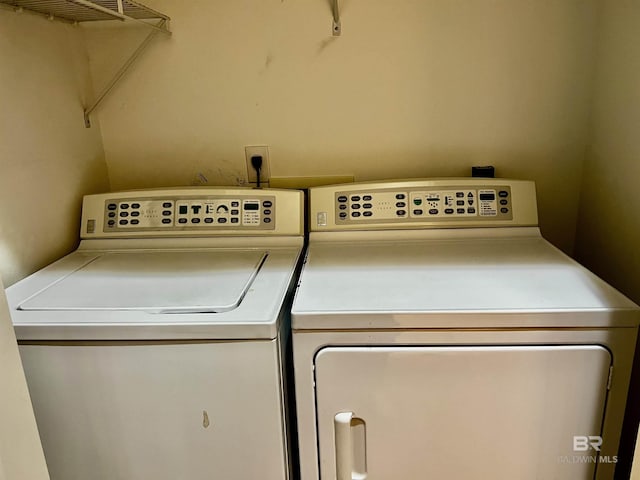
column 120, row 73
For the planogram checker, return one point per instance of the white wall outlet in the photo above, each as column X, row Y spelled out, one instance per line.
column 265, row 172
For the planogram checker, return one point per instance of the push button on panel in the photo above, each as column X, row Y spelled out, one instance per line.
column 267, row 204
column 448, row 211
column 417, row 201
column 234, row 220
column 401, row 204
column 504, row 201
column 112, row 206
column 182, row 220
column 267, row 212
column 418, row 211
column 460, row 194
column 503, row 193
column 342, row 198
column 195, row 220
column 266, row 220
column 343, row 214
column 164, row 220
column 433, row 211
column 135, row 205
column 135, row 214
column 401, row 213
column 367, row 205
column 367, row 213
column 504, row 210
column 124, row 206
column 165, row 213
column 208, row 220
column 123, row 222
column 366, row 198
column 355, row 198
column 400, row 196
column 471, row 210
column 124, row 214
column 355, row 214
column 460, row 210
column 222, row 220
column 166, row 205
column 355, row 206
column 135, row 221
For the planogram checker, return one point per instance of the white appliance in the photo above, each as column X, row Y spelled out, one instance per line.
column 156, row 349
column 436, row 334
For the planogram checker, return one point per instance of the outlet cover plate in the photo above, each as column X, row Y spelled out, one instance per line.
column 265, row 172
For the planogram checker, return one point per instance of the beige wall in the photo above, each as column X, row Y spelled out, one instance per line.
column 48, row 160
column 608, row 234
column 609, row 227
column 21, row 455
column 412, row 88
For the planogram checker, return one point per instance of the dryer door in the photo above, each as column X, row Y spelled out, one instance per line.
column 503, row 412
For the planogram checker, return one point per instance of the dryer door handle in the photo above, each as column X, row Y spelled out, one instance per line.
column 344, row 440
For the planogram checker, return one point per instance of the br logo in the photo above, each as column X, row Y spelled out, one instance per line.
column 582, row 443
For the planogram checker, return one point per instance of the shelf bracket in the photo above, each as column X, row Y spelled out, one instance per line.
column 159, row 28
column 337, row 27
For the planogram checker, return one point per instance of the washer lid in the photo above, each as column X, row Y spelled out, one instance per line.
column 155, row 282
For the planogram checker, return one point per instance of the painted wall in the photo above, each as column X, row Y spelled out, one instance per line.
column 608, row 234
column 21, row 455
column 48, row 159
column 412, row 88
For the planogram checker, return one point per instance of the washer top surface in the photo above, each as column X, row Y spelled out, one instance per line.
column 155, row 282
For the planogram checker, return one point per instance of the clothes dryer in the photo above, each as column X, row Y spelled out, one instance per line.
column 436, row 334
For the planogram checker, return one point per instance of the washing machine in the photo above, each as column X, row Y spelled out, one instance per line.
column 156, row 350
column 436, row 334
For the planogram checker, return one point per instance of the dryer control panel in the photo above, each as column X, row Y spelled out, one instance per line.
column 434, row 203
column 188, row 211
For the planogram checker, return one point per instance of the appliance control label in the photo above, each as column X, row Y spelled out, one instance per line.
column 190, row 213
column 423, row 204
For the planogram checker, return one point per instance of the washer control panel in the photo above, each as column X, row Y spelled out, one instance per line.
column 482, row 202
column 248, row 212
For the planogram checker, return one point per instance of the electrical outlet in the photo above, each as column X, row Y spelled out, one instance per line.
column 265, row 171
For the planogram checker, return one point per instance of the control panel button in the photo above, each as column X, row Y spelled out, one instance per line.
column 367, row 205
column 471, row 210
column 267, row 212
column 459, row 202
column 182, row 220
column 418, row 211
column 433, row 211
column 267, row 204
column 343, row 214
column 135, row 205
column 235, row 212
column 367, row 213
column 165, row 213
column 124, row 206
column 355, row 214
column 504, row 210
column 112, row 206
column 366, row 198
column 135, row 221
column 504, row 201
column 135, row 214
column 123, row 222
column 400, row 196
column 343, row 206
column 355, row 206
column 459, row 194
column 183, row 209
column 235, row 220
column 222, row 220
column 164, row 220
column 235, row 204
column 355, row 198
column 460, row 210
column 112, row 214
column 195, row 220
column 266, row 220
column 417, row 201
column 503, row 193
column 166, row 205
column 208, row 220
column 401, row 213
column 342, row 198
column 111, row 223
column 124, row 214
column 401, row 204
column 448, row 211
column 470, row 202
